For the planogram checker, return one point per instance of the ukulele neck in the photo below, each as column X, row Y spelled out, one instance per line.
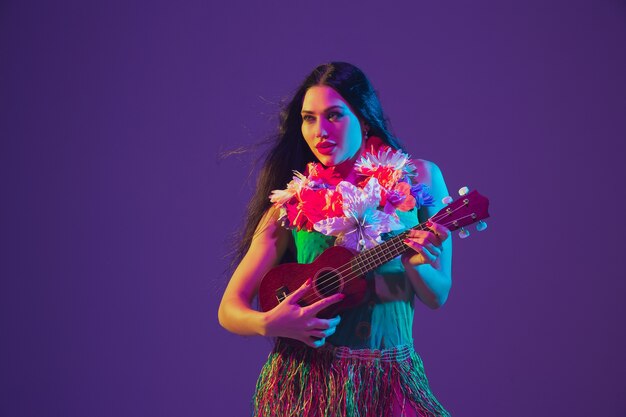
column 467, row 210
column 373, row 258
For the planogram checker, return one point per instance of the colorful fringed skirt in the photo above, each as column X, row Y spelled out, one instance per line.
column 338, row 381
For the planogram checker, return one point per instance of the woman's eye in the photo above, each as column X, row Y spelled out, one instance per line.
column 308, row 118
column 334, row 116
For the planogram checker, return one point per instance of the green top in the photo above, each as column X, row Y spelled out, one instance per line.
column 386, row 319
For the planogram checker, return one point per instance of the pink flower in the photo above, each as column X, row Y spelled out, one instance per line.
column 399, row 198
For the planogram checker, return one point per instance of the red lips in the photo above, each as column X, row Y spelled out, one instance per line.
column 326, row 147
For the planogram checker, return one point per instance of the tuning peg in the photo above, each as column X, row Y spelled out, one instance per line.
column 463, row 191
column 463, row 233
column 481, row 225
column 446, row 200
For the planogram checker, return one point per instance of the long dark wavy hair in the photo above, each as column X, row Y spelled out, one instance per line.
column 289, row 151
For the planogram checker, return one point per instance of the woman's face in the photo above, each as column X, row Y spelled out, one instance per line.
column 330, row 127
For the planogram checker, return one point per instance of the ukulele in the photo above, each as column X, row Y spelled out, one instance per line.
column 343, row 270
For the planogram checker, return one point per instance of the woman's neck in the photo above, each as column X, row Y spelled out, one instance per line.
column 345, row 169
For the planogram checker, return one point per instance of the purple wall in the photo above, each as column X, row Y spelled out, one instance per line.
column 116, row 207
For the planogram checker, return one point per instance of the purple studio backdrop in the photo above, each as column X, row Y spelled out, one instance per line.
column 117, row 208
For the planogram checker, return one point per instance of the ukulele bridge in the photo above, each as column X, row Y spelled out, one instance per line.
column 281, row 294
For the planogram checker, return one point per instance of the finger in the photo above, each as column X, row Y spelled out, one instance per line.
column 334, row 322
column 318, row 343
column 414, row 233
column 423, row 236
column 440, row 231
column 322, row 334
column 432, row 235
column 433, row 251
column 427, row 255
column 318, row 306
column 431, row 239
column 299, row 293
column 323, row 324
column 418, row 244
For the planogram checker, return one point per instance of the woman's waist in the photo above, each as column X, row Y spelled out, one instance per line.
column 329, row 352
column 389, row 354
column 375, row 325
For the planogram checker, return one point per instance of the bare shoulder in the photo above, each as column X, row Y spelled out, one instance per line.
column 427, row 172
column 269, row 229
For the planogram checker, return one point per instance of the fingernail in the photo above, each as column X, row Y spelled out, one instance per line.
column 308, row 281
column 429, row 223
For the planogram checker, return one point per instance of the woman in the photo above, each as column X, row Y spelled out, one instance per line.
column 353, row 187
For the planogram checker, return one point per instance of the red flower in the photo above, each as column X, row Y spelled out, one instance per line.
column 334, row 204
column 320, row 175
column 386, row 176
column 294, row 214
column 311, row 206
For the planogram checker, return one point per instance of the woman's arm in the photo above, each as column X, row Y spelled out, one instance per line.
column 268, row 245
column 429, row 265
column 288, row 318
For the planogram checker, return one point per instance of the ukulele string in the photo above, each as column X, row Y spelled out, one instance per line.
column 397, row 244
column 346, row 270
column 329, row 284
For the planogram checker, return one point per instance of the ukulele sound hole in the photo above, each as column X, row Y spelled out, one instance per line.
column 328, row 282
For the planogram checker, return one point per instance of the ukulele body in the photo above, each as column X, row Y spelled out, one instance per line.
column 331, row 272
column 339, row 269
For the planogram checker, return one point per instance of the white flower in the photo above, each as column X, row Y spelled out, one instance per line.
column 299, row 181
column 362, row 224
column 385, row 157
column 282, row 196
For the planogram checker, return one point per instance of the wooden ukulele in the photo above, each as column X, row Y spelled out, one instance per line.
column 339, row 269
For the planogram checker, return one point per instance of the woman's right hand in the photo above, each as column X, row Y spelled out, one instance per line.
column 290, row 319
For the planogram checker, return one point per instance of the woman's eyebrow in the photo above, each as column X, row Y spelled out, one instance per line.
column 325, row 110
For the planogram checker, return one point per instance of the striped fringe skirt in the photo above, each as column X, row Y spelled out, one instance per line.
column 337, row 382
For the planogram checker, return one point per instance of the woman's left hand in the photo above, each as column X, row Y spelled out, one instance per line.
column 426, row 244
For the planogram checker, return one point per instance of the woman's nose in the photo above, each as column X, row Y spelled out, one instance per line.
column 320, row 129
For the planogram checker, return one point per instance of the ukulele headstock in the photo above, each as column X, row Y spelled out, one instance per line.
column 470, row 208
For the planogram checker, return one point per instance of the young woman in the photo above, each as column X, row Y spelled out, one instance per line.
column 355, row 187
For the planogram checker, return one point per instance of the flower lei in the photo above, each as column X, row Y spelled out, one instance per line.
column 357, row 214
